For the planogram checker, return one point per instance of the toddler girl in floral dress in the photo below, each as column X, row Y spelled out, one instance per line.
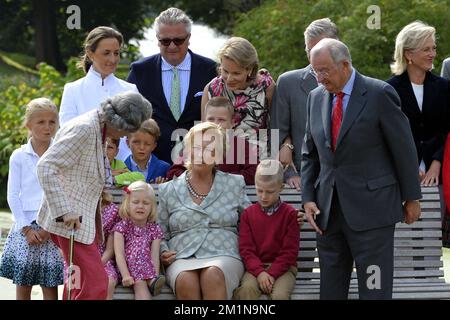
column 136, row 241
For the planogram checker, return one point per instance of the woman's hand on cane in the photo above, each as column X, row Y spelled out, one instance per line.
column 72, row 221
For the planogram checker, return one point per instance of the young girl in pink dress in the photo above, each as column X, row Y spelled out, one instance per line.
column 136, row 241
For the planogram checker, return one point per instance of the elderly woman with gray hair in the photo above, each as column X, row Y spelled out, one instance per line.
column 73, row 173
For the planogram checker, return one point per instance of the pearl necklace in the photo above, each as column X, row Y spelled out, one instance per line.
column 192, row 191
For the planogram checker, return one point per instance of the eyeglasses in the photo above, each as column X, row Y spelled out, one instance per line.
column 177, row 41
column 321, row 73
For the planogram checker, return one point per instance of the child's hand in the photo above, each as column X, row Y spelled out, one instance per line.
column 33, row 237
column 265, row 282
column 301, row 216
column 44, row 235
column 127, row 281
column 158, row 180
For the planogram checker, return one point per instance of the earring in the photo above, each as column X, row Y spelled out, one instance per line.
column 409, row 61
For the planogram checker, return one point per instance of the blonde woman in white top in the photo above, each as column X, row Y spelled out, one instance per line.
column 30, row 257
column 100, row 60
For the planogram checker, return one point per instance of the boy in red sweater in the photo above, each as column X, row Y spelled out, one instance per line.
column 269, row 237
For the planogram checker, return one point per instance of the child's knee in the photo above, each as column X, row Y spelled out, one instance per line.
column 280, row 295
column 246, row 291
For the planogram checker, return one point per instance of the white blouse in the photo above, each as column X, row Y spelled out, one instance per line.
column 88, row 93
column 24, row 191
column 418, row 92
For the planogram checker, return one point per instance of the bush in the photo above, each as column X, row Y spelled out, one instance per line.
column 20, row 90
column 12, row 108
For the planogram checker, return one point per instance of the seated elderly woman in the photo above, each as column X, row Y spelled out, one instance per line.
column 199, row 212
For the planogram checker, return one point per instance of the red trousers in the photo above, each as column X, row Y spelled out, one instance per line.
column 89, row 280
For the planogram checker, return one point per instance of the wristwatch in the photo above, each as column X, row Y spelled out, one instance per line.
column 290, row 146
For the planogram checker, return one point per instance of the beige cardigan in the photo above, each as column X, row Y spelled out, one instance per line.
column 72, row 176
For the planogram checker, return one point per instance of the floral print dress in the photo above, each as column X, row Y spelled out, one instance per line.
column 251, row 107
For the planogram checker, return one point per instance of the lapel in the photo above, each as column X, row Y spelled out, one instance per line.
column 193, row 79
column 185, row 198
column 428, row 92
column 99, row 147
column 157, row 82
column 410, row 105
column 309, row 83
column 355, row 105
column 325, row 108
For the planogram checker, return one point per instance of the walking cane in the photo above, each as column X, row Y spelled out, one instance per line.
column 70, row 269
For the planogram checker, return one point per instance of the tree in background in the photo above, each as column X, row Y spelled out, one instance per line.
column 39, row 27
column 276, row 29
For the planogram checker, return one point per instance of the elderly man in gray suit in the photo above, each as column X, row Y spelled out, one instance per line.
column 288, row 113
column 445, row 71
column 358, row 172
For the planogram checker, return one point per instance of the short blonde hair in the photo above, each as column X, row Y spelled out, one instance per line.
column 220, row 102
column 242, row 52
column 270, row 170
column 201, row 130
column 411, row 37
column 39, row 105
column 150, row 127
column 124, row 210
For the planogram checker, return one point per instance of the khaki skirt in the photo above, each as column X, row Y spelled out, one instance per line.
column 232, row 268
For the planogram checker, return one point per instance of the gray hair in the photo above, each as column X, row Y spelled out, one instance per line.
column 126, row 111
column 321, row 28
column 411, row 37
column 338, row 50
column 173, row 16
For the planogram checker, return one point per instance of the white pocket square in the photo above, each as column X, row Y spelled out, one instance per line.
column 198, row 94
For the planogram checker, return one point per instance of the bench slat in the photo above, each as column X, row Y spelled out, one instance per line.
column 418, row 270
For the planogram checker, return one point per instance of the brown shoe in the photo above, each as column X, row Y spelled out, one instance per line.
column 157, row 284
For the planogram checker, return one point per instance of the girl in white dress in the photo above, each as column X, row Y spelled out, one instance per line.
column 30, row 257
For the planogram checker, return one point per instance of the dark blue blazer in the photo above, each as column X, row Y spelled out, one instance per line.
column 146, row 75
column 429, row 126
column 156, row 168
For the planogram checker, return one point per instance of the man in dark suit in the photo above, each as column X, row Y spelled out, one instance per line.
column 359, row 171
column 288, row 113
column 173, row 80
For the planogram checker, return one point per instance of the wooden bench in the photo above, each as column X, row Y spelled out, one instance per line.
column 418, row 272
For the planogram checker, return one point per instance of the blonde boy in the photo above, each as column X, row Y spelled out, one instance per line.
column 269, row 238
